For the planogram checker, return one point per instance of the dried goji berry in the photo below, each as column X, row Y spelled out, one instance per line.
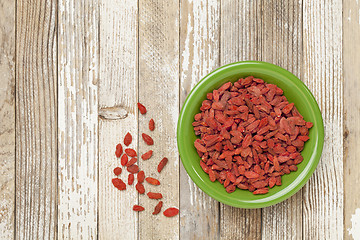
column 119, row 184
column 140, row 188
column 171, row 212
column 272, row 181
column 212, row 175
column 141, row 176
column 260, row 184
column 276, row 164
column 133, row 168
column 131, row 162
column 119, row 150
column 147, row 155
column 303, row 138
column 117, row 171
column 230, row 176
column 162, row 164
column 147, row 139
column 138, row 208
column 153, row 195
column 278, row 181
column 130, row 179
column 152, row 181
column 251, row 174
column 130, row 152
column 230, row 188
column 293, row 168
column 261, row 191
column 288, row 108
column 124, row 159
column 199, row 147
column 151, row 125
column 127, row 139
column 142, row 108
column 308, row 124
column 158, row 207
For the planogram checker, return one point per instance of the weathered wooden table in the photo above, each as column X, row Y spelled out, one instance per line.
column 62, row 62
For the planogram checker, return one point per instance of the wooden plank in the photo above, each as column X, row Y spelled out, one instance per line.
column 36, row 117
column 7, row 123
column 78, row 65
column 282, row 45
column 199, row 55
column 117, row 88
column 351, row 24
column 159, row 92
column 240, row 40
column 323, row 201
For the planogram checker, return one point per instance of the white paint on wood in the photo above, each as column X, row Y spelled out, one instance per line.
column 78, row 65
column 117, row 87
column 159, row 92
column 354, row 231
column 199, row 55
column 7, row 123
column 351, row 65
column 281, row 44
column 240, row 40
column 323, row 194
column 36, row 130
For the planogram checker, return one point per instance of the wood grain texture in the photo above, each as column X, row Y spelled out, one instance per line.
column 281, row 42
column 36, row 117
column 351, row 48
column 118, row 89
column 323, row 202
column 78, row 65
column 159, row 92
column 199, row 55
column 240, row 40
column 7, row 123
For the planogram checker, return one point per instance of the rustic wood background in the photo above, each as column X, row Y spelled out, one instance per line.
column 64, row 62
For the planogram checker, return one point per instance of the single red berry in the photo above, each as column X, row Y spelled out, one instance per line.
column 117, row 171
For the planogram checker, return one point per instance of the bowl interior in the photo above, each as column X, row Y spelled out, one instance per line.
column 294, row 90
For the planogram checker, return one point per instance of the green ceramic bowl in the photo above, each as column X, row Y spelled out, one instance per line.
column 294, row 90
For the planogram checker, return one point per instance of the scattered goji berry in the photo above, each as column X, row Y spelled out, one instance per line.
column 130, row 152
column 140, row 188
column 147, row 155
column 133, row 168
column 152, row 181
column 131, row 179
column 117, row 171
column 147, row 139
column 158, row 207
column 127, row 139
column 119, row 184
column 141, row 176
column 131, row 162
column 162, row 164
column 138, row 208
column 151, row 125
column 153, row 195
column 119, row 150
column 142, row 108
column 171, row 212
column 124, row 159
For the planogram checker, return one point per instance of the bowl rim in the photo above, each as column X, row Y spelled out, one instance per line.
column 310, row 171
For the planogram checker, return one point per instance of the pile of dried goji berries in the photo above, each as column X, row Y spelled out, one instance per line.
column 250, row 135
column 129, row 159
